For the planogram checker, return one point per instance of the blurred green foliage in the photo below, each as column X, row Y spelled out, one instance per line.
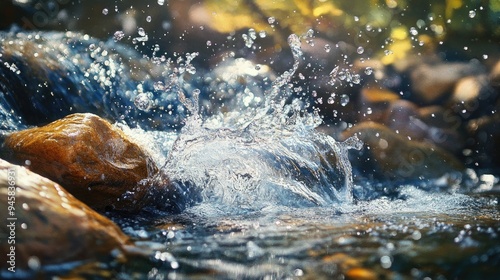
column 388, row 28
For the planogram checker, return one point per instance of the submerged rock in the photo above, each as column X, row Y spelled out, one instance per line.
column 399, row 158
column 51, row 227
column 92, row 159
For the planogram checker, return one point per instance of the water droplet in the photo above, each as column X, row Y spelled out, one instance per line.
column 331, row 100
column 262, row 34
column 92, row 47
column 485, row 56
column 161, row 2
column 356, row 79
column 105, row 11
column 344, row 100
column 472, row 13
column 148, row 18
column 118, row 35
column 271, row 20
column 209, row 43
column 294, row 42
column 387, row 52
column 385, row 261
column 413, row 31
column 34, row 263
column 368, row 70
column 159, row 85
column 369, row 27
column 328, row 48
column 356, row 18
column 360, row 50
column 141, row 31
column 143, row 102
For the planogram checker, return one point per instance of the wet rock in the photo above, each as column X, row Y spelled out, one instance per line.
column 375, row 102
column 397, row 157
column 92, row 159
column 51, row 226
column 484, row 140
column 432, row 83
column 473, row 96
column 495, row 75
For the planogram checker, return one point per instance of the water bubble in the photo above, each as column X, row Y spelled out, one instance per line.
column 148, row 18
column 485, row 56
column 118, row 35
column 209, row 43
column 271, row 20
column 310, row 33
column 369, row 27
column 262, row 34
column 105, row 11
column 356, row 18
column 143, row 102
column 328, row 48
column 161, row 2
column 368, row 70
column 344, row 100
column 472, row 13
column 330, row 100
column 360, row 50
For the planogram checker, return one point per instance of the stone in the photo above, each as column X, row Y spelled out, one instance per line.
column 432, row 83
column 92, row 159
column 50, row 226
column 495, row 75
column 483, row 141
column 375, row 102
column 397, row 157
column 472, row 96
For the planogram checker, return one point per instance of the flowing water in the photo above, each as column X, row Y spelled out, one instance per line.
column 262, row 194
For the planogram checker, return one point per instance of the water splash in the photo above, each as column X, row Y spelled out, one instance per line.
column 261, row 157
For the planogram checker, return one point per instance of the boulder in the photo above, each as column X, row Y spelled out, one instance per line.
column 92, row 159
column 46, row 225
column 399, row 158
column 432, row 82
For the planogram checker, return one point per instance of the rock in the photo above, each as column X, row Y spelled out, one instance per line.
column 495, row 75
column 473, row 96
column 375, row 102
column 484, row 140
column 92, row 159
column 397, row 157
column 433, row 82
column 51, row 226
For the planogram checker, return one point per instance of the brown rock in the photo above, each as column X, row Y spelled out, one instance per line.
column 495, row 75
column 484, row 140
column 375, row 102
column 396, row 157
column 472, row 96
column 51, row 226
column 433, row 82
column 92, row 159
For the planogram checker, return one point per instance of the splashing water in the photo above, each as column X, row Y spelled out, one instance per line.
column 259, row 157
